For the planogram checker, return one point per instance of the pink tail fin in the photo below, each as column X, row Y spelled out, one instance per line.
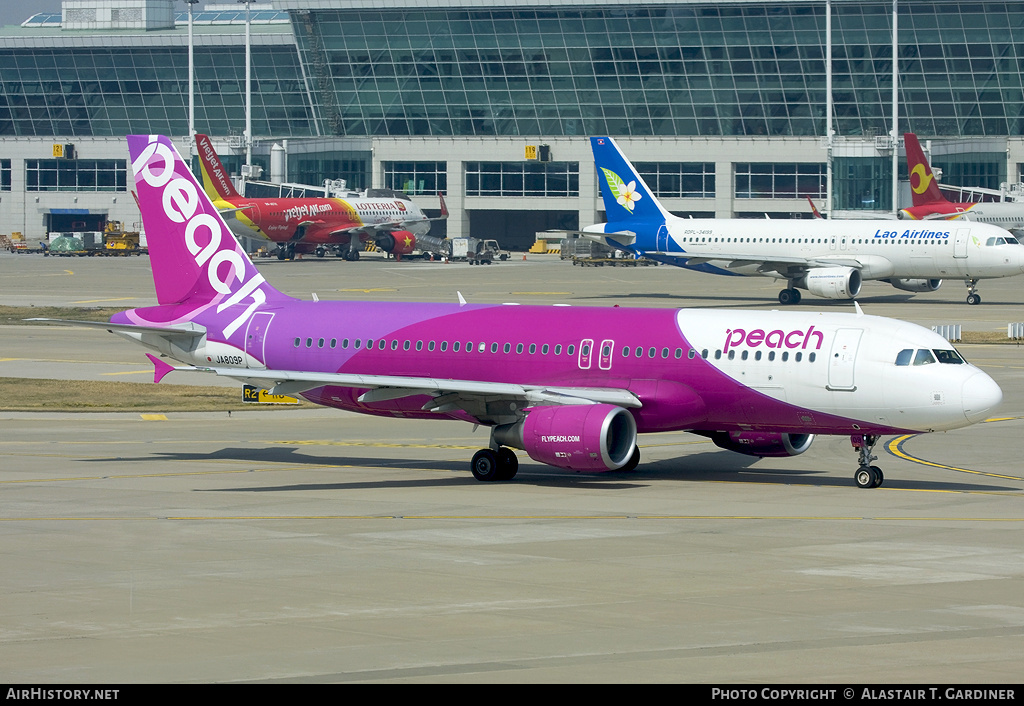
column 196, row 260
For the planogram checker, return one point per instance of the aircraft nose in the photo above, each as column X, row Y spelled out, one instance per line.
column 980, row 396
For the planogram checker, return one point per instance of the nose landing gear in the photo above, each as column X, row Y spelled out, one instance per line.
column 972, row 292
column 867, row 476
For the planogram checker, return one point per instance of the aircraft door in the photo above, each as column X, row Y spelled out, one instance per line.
column 662, row 239
column 255, row 339
column 843, row 358
column 963, row 236
column 586, row 351
column 605, row 361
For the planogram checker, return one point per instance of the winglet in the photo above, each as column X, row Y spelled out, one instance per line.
column 462, row 299
column 860, row 312
column 160, row 368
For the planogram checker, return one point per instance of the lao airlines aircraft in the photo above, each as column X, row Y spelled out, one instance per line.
column 386, row 218
column 571, row 386
column 930, row 204
column 828, row 258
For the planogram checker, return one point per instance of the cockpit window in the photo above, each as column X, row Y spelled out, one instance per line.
column 924, row 357
column 1002, row 240
column 948, row 357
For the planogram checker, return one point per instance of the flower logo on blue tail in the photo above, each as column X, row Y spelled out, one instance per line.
column 625, row 194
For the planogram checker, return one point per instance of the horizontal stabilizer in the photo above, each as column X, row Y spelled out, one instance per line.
column 176, row 331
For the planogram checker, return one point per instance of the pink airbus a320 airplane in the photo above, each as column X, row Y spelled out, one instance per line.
column 570, row 386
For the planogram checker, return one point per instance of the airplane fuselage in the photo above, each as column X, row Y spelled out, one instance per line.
column 1008, row 215
column 315, row 221
column 878, row 249
column 689, row 369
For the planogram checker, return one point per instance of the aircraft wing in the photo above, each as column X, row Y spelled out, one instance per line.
column 775, row 262
column 487, row 401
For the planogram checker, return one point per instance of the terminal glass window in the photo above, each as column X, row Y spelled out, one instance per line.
column 780, row 180
column 416, row 177
column 522, row 179
column 691, row 180
column 75, row 175
column 5, row 175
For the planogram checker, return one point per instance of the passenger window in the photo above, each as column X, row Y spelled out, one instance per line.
column 904, row 356
column 924, row 357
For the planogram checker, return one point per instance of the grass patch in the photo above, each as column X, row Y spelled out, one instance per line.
column 31, row 395
column 16, row 315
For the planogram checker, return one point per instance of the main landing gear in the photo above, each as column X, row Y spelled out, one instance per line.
column 972, row 292
column 867, row 476
column 488, row 464
column 789, row 296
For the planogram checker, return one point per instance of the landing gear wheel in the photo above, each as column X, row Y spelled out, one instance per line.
column 485, row 465
column 281, row 253
column 508, row 463
column 866, row 477
column 973, row 299
column 878, row 474
column 320, row 252
column 789, row 296
column 633, row 461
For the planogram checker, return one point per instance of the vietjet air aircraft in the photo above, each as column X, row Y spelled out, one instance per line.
column 930, row 204
column 828, row 258
column 572, row 387
column 386, row 218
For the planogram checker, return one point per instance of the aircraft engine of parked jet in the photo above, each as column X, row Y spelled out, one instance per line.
column 832, row 282
column 757, row 443
column 593, row 437
column 397, row 242
column 916, row 285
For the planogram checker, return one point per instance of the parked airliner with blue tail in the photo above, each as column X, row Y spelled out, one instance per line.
column 828, row 258
column 571, row 386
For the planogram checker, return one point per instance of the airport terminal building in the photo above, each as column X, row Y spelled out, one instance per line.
column 721, row 105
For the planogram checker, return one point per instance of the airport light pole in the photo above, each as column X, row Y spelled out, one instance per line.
column 895, row 108
column 248, row 88
column 191, row 86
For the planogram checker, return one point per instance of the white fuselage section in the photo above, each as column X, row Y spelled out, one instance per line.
column 879, row 249
column 878, row 370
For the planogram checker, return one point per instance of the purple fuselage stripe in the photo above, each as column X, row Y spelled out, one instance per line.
column 677, row 393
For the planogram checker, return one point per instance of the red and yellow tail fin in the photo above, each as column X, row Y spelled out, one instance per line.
column 216, row 180
column 923, row 186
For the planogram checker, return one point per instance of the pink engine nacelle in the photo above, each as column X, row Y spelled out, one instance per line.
column 591, row 438
column 762, row 443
